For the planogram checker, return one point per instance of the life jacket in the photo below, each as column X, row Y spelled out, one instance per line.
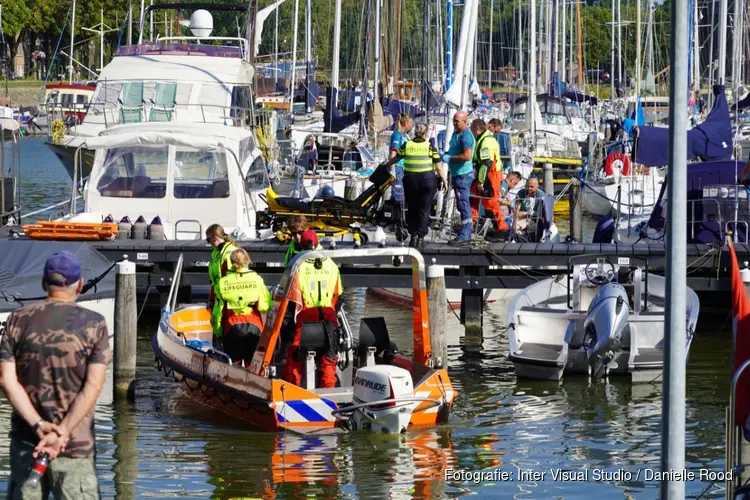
column 219, row 256
column 241, row 293
column 487, row 149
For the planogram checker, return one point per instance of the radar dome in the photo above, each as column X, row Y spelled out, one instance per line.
column 201, row 23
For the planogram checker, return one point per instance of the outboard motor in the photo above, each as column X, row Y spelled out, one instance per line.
column 390, row 392
column 605, row 230
column 605, row 322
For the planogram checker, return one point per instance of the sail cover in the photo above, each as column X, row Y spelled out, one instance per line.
column 709, row 141
column 333, row 121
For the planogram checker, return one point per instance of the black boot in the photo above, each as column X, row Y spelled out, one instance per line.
column 413, row 241
column 420, row 244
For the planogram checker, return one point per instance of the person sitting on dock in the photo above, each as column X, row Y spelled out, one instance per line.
column 318, row 285
column 489, row 175
column 506, row 197
column 242, row 296
column 223, row 246
column 528, row 207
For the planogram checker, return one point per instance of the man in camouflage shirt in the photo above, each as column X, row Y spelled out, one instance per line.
column 53, row 358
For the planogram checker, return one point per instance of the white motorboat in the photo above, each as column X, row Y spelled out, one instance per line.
column 180, row 178
column 599, row 318
column 21, row 267
column 621, row 188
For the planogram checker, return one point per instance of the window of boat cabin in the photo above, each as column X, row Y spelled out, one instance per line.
column 52, row 97
column 82, row 99
column 518, row 112
column 201, row 174
column 135, row 172
column 66, row 99
column 553, row 112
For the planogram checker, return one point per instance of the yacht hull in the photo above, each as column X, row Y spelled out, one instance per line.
column 66, row 155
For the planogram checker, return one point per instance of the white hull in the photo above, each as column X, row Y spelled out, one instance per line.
column 638, row 195
column 403, row 296
column 546, row 338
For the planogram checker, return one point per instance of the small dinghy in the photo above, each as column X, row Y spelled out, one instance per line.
column 598, row 319
column 379, row 388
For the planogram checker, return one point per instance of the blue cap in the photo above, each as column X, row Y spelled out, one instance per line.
column 62, row 269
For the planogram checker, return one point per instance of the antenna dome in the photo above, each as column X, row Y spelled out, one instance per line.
column 201, row 23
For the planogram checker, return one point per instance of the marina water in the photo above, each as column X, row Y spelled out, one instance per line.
column 571, row 440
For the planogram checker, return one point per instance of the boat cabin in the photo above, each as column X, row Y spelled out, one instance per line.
column 189, row 179
column 62, row 100
column 552, row 110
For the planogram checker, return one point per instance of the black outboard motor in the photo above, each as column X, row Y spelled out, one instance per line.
column 605, row 230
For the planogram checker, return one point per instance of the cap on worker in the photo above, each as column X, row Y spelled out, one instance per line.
column 309, row 240
column 62, row 269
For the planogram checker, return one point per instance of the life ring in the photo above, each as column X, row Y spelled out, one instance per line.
column 609, row 165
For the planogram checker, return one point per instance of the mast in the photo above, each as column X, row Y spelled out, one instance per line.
column 101, row 40
column 72, row 35
column 562, row 44
column 696, row 52
column 531, row 101
column 737, row 47
column 489, row 69
column 612, row 58
column 363, row 95
column 276, row 47
column 308, row 53
column 293, row 74
column 130, row 23
column 336, row 46
column 449, row 46
column 638, row 50
column 151, row 23
column 553, row 40
column 619, row 44
column 520, row 40
column 376, row 79
column 711, row 58
column 650, row 43
column 580, row 49
column 425, row 50
column 722, row 41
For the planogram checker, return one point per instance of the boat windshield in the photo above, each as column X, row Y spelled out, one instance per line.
column 200, row 174
column 553, row 112
column 135, row 172
column 574, row 111
column 518, row 111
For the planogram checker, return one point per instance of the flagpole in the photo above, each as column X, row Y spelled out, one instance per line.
column 673, row 416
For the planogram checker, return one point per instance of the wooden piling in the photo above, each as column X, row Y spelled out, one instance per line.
column 576, row 210
column 438, row 311
column 472, row 304
column 126, row 318
column 549, row 179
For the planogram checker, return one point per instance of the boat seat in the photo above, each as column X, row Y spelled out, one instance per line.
column 126, row 187
column 315, row 336
column 373, row 332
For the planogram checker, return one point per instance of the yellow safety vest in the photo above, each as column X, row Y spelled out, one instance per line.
column 487, row 149
column 219, row 256
column 239, row 291
column 418, row 156
column 318, row 286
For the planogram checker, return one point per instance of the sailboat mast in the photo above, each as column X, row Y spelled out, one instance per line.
column 293, row 75
column 580, row 48
column 737, row 47
column 619, row 44
column 363, row 95
column 425, row 50
column 308, row 54
column 276, row 47
column 72, row 36
column 376, row 79
column 551, row 34
column 520, row 39
column 561, row 68
column 489, row 64
column 696, row 52
column 612, row 58
column 449, row 46
column 638, row 49
column 722, row 41
column 531, row 102
column 336, row 47
column 101, row 40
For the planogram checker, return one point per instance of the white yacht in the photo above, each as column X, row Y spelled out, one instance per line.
column 178, row 179
column 177, row 79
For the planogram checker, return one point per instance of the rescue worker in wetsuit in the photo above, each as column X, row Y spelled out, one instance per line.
column 223, row 246
column 421, row 174
column 486, row 186
column 297, row 226
column 316, row 290
column 243, row 297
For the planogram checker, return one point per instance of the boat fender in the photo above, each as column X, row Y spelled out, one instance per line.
column 609, row 165
column 156, row 229
column 108, row 219
column 124, row 227
column 140, row 228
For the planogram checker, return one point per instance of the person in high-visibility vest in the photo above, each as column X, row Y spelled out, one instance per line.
column 243, row 297
column 297, row 226
column 421, row 176
column 315, row 289
column 223, row 246
column 489, row 170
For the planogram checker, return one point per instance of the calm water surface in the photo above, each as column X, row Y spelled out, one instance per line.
column 167, row 446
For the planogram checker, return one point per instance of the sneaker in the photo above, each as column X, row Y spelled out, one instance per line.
column 459, row 242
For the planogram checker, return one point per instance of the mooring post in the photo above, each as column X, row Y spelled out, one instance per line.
column 126, row 319
column 576, row 210
column 549, row 179
column 472, row 303
column 438, row 311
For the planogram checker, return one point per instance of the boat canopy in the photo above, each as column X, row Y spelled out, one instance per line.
column 22, row 264
column 709, row 141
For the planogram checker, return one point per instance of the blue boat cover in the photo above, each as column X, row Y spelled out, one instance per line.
column 709, row 141
column 333, row 121
column 703, row 220
column 22, row 264
column 744, row 103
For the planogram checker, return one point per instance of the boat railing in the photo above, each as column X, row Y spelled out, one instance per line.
column 237, row 116
column 716, row 220
column 176, row 279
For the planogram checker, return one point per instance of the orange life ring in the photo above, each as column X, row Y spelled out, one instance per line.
column 609, row 167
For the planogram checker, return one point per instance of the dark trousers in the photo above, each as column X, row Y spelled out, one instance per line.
column 419, row 191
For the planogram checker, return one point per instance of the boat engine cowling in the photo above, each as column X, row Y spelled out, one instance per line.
column 385, row 395
column 606, row 320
